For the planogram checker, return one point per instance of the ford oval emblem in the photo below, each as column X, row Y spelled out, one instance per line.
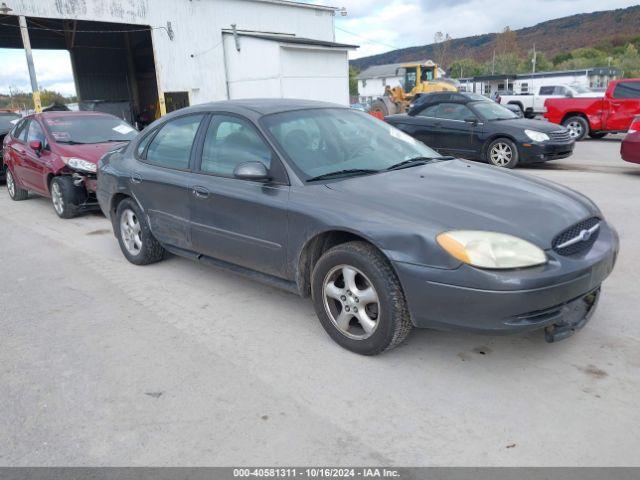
column 585, row 235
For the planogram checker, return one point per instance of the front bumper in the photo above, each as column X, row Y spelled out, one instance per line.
column 509, row 301
column 542, row 152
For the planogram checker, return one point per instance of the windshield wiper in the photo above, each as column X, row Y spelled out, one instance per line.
column 339, row 173
column 71, row 142
column 416, row 161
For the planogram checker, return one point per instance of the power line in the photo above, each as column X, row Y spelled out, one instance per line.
column 62, row 30
column 367, row 39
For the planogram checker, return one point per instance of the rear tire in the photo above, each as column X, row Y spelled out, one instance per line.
column 66, row 197
column 503, row 153
column 359, row 300
column 136, row 241
column 15, row 192
column 578, row 127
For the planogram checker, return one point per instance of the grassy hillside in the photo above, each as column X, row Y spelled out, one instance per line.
column 603, row 30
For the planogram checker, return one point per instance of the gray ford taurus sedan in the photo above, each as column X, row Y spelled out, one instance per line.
column 380, row 230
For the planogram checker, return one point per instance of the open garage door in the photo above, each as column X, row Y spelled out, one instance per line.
column 113, row 63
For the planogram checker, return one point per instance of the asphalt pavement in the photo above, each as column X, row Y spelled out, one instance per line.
column 105, row 363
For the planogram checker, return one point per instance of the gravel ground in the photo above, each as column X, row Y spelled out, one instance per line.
column 105, row 363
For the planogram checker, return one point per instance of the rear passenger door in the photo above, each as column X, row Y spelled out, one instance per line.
column 243, row 222
column 161, row 180
column 623, row 106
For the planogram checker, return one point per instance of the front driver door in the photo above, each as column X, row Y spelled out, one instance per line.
column 161, row 181
column 36, row 164
column 457, row 125
column 239, row 221
column 422, row 126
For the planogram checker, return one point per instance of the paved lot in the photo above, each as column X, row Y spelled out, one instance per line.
column 105, row 363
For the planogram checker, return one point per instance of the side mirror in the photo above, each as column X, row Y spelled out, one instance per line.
column 255, row 171
column 36, row 146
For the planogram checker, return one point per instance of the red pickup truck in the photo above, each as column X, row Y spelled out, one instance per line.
column 597, row 116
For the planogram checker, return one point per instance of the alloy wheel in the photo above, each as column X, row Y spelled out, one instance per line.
column 56, row 198
column 501, row 154
column 575, row 129
column 131, row 232
column 351, row 302
column 11, row 185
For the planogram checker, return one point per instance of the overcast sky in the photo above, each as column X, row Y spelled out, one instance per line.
column 376, row 25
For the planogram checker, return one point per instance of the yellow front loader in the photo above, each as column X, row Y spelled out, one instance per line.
column 418, row 78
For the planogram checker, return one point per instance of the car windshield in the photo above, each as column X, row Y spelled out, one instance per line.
column 89, row 129
column 493, row 111
column 6, row 119
column 324, row 141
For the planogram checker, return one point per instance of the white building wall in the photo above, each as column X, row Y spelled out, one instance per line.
column 267, row 68
column 374, row 87
column 193, row 61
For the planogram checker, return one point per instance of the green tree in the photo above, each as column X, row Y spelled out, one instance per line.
column 629, row 62
column 353, row 82
column 466, row 67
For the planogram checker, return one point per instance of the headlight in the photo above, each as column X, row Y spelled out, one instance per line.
column 536, row 136
column 491, row 249
column 80, row 164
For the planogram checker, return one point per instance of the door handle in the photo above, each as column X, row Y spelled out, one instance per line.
column 200, row 192
column 135, row 178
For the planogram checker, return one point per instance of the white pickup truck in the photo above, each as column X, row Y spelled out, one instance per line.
column 532, row 104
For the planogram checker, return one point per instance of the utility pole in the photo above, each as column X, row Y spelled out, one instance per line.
column 533, row 60
column 493, row 63
column 32, row 71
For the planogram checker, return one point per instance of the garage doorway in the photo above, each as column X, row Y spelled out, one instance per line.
column 113, row 63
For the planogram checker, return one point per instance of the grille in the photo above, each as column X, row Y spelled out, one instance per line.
column 573, row 234
column 560, row 136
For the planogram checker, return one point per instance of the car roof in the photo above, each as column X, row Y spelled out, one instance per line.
column 260, row 106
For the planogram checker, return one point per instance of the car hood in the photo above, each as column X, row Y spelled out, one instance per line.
column 538, row 125
column 456, row 194
column 91, row 152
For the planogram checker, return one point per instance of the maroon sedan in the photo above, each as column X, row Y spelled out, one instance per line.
column 55, row 154
column 630, row 149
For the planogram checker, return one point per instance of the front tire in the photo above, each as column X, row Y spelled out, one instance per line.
column 15, row 192
column 359, row 300
column 578, row 127
column 66, row 197
column 136, row 241
column 502, row 152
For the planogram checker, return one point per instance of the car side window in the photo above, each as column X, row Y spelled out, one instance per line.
column 20, row 131
column 35, row 133
column 229, row 142
column 547, row 90
column 454, row 111
column 143, row 144
column 171, row 147
column 428, row 112
column 627, row 90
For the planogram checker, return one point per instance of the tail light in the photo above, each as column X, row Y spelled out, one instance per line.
column 635, row 125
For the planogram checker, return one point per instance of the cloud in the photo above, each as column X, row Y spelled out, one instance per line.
column 407, row 23
column 53, row 71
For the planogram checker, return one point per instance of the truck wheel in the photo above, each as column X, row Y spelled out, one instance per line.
column 597, row 135
column 502, row 152
column 358, row 299
column 136, row 241
column 379, row 107
column 66, row 197
column 578, row 127
column 15, row 192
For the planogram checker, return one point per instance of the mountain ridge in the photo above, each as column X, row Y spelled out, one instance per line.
column 551, row 37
